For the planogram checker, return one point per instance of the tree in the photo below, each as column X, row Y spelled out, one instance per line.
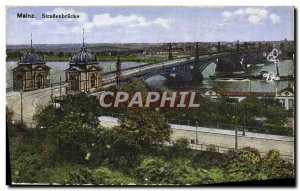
column 114, row 150
column 245, row 166
column 157, row 171
column 103, row 175
column 275, row 167
column 48, row 116
column 80, row 176
column 73, row 137
column 145, row 128
column 154, row 171
column 81, row 102
column 180, row 148
column 61, row 54
column 134, row 85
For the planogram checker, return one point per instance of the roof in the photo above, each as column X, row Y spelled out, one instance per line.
column 28, row 67
column 289, row 89
column 77, row 68
column 22, row 67
column 96, row 67
column 32, row 57
column 242, row 94
column 83, row 56
column 43, row 66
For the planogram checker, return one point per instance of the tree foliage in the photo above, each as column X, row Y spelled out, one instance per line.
column 157, row 171
column 145, row 128
column 247, row 164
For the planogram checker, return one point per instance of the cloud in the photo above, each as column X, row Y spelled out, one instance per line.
column 130, row 21
column 107, row 20
column 227, row 14
column 104, row 21
column 165, row 23
column 274, row 18
column 255, row 19
column 253, row 15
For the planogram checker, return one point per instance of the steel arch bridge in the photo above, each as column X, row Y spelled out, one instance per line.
column 167, row 73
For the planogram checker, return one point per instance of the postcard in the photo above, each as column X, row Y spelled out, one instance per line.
column 150, row 96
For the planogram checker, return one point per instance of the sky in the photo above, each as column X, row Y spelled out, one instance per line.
column 150, row 24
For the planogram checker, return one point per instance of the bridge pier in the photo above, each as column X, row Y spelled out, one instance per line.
column 196, row 73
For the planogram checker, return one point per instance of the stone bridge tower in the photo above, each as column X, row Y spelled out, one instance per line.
column 170, row 52
column 245, row 45
column 119, row 72
column 197, row 75
column 219, row 47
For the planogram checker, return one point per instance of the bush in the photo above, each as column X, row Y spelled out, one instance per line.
column 104, row 175
column 80, row 176
column 154, row 171
column 157, row 171
column 244, row 166
column 211, row 148
column 275, row 167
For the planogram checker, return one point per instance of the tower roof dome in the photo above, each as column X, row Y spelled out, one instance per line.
column 31, row 56
column 83, row 56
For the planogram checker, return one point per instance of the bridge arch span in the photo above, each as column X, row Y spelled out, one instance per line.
column 168, row 73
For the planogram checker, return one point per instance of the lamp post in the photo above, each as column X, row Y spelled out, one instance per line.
column 60, row 88
column 196, row 132
column 236, row 131
column 21, row 94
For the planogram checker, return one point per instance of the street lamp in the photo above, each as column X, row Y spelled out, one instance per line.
column 196, row 132
column 21, row 94
column 236, row 131
column 60, row 88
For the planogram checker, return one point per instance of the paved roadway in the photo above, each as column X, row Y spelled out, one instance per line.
column 31, row 101
column 224, row 139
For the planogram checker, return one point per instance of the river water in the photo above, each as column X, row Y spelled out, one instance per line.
column 286, row 67
column 57, row 69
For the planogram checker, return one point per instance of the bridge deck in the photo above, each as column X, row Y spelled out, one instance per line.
column 128, row 73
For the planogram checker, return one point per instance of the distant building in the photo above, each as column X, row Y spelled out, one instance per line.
column 165, row 51
column 284, row 96
column 32, row 73
column 84, row 73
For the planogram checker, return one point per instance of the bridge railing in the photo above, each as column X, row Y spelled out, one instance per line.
column 223, row 149
column 135, row 67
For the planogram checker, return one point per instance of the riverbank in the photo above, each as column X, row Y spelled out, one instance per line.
column 129, row 58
